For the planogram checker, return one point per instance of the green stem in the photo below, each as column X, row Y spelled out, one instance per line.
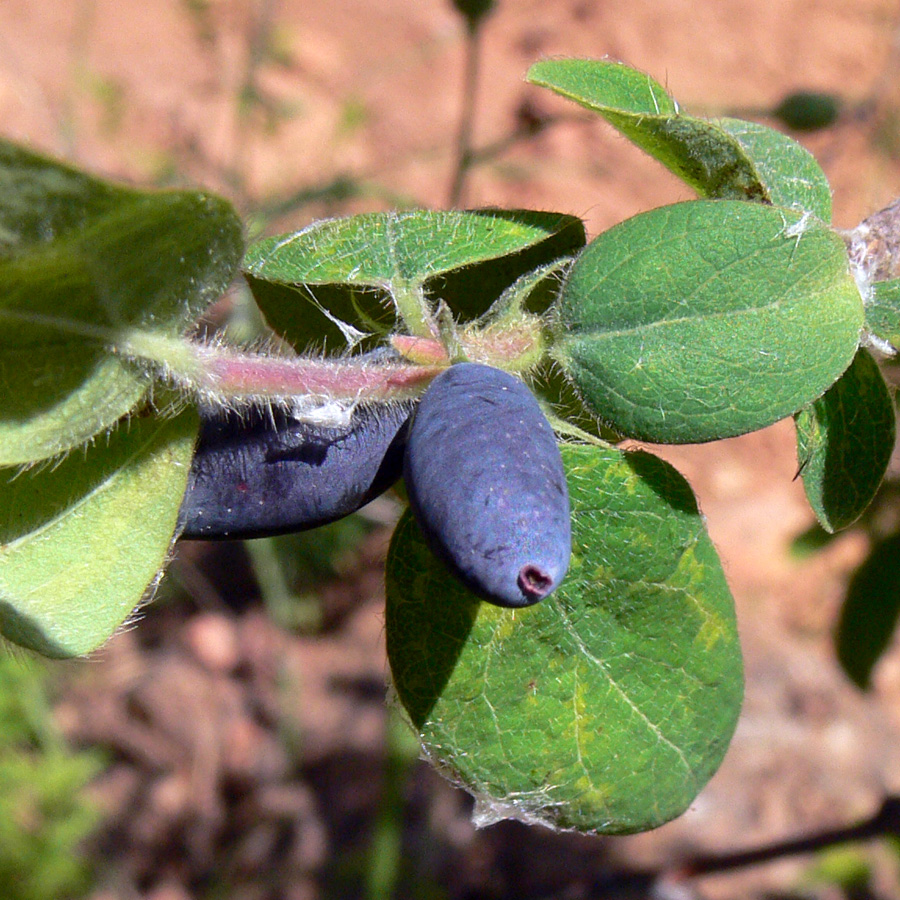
column 286, row 606
column 385, row 850
column 412, row 307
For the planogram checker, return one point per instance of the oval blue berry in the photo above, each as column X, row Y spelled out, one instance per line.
column 260, row 472
column 486, row 485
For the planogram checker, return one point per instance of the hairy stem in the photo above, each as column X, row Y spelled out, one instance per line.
column 412, row 307
column 226, row 374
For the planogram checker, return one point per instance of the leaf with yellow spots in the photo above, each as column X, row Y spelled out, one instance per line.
column 607, row 707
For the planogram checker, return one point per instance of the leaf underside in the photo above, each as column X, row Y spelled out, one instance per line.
column 844, row 444
column 83, row 263
column 81, row 543
column 348, row 270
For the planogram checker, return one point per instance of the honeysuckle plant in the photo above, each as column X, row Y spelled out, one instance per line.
column 609, row 705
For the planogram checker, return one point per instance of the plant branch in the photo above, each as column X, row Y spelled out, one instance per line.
column 673, row 882
column 885, row 822
column 225, row 375
column 464, row 153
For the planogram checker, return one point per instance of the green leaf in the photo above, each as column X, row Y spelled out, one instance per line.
column 81, row 543
column 365, row 270
column 471, row 290
column 844, row 443
column 789, row 172
column 870, row 612
column 606, row 707
column 619, row 93
column 83, row 263
column 323, row 317
column 707, row 319
column 883, row 311
column 723, row 159
column 564, row 404
column 44, row 200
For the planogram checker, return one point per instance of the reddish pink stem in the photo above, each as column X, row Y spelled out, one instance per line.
column 273, row 376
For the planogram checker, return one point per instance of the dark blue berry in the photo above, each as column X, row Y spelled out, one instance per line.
column 487, row 486
column 259, row 472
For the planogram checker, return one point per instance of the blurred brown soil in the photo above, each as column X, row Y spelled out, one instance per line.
column 248, row 761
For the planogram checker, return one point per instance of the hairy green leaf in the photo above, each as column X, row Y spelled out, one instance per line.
column 883, row 311
column 608, row 87
column 844, row 443
column 789, row 172
column 723, row 159
column 341, row 277
column 606, row 707
column 83, row 263
column 81, row 543
column 44, row 200
column 707, row 319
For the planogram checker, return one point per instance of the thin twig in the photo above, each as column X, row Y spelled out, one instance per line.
column 885, row 822
column 521, row 134
column 467, row 118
